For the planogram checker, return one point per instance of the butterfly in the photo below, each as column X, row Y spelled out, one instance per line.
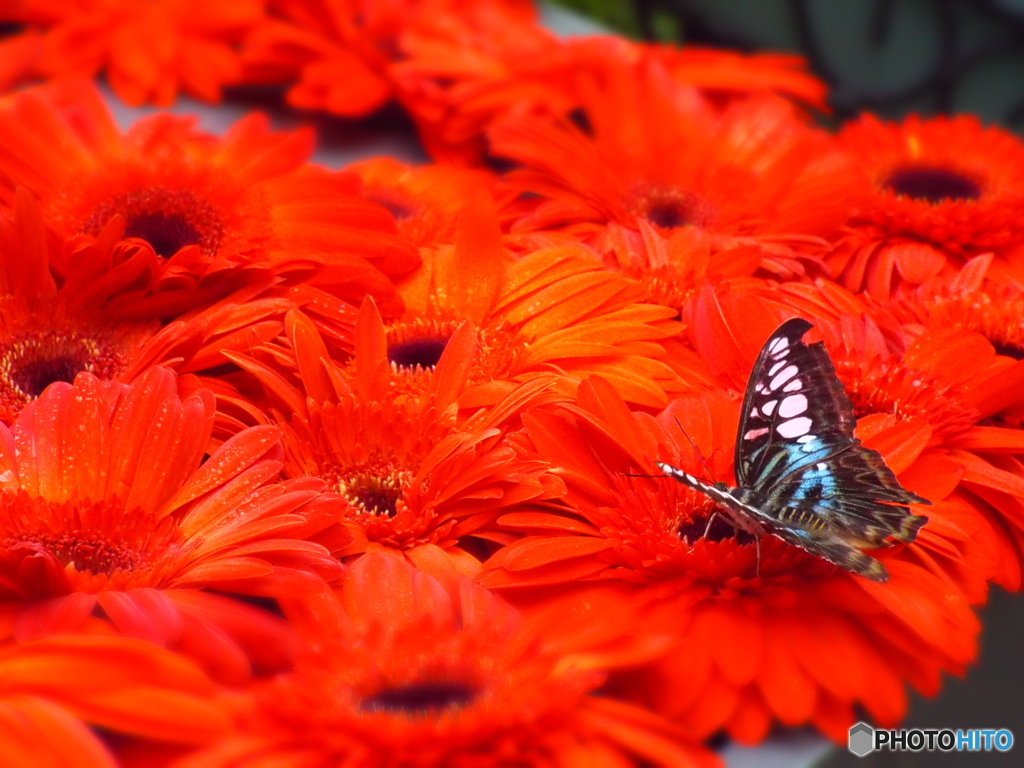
column 801, row 473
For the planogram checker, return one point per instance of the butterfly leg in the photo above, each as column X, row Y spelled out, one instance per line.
column 757, row 549
column 711, row 520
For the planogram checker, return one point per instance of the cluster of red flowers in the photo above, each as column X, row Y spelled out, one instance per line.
column 311, row 468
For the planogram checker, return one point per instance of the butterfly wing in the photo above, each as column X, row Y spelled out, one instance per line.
column 852, row 492
column 795, row 410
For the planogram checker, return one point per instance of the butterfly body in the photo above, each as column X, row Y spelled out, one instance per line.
column 801, row 474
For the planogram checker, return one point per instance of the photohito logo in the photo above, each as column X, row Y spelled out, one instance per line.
column 864, row 739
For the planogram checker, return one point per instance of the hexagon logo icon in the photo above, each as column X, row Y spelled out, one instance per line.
column 862, row 739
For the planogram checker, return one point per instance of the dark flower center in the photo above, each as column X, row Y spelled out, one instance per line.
column 669, row 207
column 667, row 215
column 421, row 698
column 35, row 376
column 932, row 185
column 1009, row 350
column 31, row 362
column 693, row 530
column 168, row 233
column 377, row 494
column 167, row 219
column 413, row 353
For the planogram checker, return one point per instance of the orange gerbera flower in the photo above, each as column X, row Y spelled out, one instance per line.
column 341, row 52
column 782, row 635
column 214, row 210
column 104, row 507
column 148, row 50
column 656, row 151
column 54, row 686
column 406, row 672
column 941, row 190
column 553, row 310
column 416, row 477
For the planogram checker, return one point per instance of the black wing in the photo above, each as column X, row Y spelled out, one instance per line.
column 796, row 451
column 793, row 386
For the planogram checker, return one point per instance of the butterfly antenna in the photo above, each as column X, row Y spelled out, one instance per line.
column 696, row 450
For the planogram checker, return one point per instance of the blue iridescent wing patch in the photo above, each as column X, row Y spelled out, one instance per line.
column 801, row 473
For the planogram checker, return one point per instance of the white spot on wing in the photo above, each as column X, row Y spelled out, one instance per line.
column 768, row 408
column 776, row 368
column 753, row 434
column 778, row 345
column 794, row 427
column 793, row 405
column 785, row 375
column 809, row 441
column 793, row 386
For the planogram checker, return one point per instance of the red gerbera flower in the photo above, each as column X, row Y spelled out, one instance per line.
column 656, row 151
column 104, row 506
column 405, row 672
column 786, row 637
column 940, row 191
column 214, row 210
column 55, row 686
column 340, row 53
column 416, row 477
column 148, row 50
